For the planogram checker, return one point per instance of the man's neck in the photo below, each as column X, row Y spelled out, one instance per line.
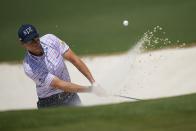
column 37, row 53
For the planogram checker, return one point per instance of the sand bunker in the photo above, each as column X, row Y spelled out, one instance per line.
column 142, row 75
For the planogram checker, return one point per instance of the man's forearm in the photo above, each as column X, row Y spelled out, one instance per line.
column 71, row 87
column 68, row 86
column 79, row 64
column 84, row 70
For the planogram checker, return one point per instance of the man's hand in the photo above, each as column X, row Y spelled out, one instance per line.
column 98, row 90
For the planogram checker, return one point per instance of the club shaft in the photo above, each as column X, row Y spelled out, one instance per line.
column 127, row 97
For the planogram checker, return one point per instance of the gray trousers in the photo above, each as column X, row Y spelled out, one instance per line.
column 60, row 99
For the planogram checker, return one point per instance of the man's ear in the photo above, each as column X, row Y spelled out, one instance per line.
column 21, row 43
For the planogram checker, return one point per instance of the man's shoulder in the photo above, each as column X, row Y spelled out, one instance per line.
column 26, row 64
column 48, row 40
column 47, row 37
column 32, row 67
column 26, row 59
column 29, row 63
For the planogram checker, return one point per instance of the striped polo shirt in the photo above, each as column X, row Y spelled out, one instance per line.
column 42, row 69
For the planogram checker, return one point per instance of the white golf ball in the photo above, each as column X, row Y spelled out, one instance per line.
column 125, row 22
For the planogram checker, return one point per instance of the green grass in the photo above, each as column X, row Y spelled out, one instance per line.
column 95, row 26
column 171, row 114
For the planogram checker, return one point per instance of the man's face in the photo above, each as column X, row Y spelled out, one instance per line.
column 33, row 46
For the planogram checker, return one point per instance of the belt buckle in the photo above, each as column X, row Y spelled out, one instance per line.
column 59, row 96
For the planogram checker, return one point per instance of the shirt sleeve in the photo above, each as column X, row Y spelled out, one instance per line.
column 61, row 45
column 41, row 78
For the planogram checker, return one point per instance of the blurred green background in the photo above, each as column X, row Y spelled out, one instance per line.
column 95, row 26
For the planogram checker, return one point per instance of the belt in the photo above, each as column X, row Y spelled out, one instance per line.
column 57, row 96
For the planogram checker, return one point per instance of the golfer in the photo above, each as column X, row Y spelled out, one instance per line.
column 44, row 64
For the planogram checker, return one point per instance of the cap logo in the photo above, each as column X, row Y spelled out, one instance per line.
column 27, row 31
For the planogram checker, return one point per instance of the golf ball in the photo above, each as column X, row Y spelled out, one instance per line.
column 125, row 22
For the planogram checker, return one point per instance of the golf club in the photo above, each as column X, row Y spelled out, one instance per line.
column 127, row 97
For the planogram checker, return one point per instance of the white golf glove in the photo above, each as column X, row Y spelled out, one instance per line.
column 98, row 90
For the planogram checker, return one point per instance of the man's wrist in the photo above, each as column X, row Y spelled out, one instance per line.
column 92, row 81
column 89, row 88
